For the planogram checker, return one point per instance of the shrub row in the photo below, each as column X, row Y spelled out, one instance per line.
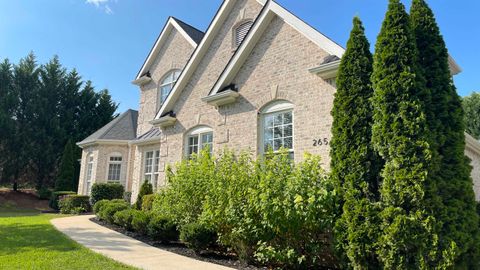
column 106, row 191
column 156, row 226
column 53, row 203
column 267, row 210
column 74, row 204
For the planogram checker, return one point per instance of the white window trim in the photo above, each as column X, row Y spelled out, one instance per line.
column 112, row 162
column 272, row 108
column 198, row 132
column 163, row 83
column 89, row 173
column 153, row 174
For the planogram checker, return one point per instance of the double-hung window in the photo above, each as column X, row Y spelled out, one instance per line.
column 198, row 139
column 151, row 169
column 277, row 127
column 114, row 168
column 89, row 174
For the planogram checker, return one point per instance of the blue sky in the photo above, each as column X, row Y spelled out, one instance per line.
column 108, row 40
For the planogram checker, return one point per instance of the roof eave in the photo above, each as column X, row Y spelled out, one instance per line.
column 102, row 142
column 326, row 71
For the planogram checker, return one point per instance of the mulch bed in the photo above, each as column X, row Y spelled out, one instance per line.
column 229, row 260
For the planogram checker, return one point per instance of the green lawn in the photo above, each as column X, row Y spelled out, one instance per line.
column 29, row 241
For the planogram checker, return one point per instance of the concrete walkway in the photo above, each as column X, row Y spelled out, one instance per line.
column 126, row 249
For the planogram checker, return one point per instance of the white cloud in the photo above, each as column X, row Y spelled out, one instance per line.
column 103, row 4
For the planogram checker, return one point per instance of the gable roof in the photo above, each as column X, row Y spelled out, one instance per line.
column 190, row 33
column 200, row 51
column 122, row 128
column 271, row 10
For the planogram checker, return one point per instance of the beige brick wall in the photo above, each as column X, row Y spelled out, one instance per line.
column 137, row 174
column 101, row 155
column 475, row 157
column 174, row 54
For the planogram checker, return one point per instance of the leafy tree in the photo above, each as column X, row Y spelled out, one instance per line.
column 450, row 170
column 355, row 166
column 408, row 239
column 66, row 177
column 471, row 105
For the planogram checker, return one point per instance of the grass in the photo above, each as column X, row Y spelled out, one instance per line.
column 29, row 241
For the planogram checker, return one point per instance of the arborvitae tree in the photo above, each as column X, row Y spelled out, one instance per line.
column 456, row 213
column 471, row 106
column 355, row 166
column 408, row 239
column 66, row 176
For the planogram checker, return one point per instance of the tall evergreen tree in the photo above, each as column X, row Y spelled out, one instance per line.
column 409, row 239
column 66, row 176
column 456, row 213
column 8, row 103
column 355, row 166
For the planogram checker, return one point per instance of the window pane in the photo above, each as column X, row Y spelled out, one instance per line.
column 278, row 131
column 287, row 118
column 114, row 172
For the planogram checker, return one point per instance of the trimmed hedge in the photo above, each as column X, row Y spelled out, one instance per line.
column 198, row 236
column 106, row 191
column 124, row 218
column 162, row 229
column 108, row 210
column 56, row 196
column 147, row 202
column 74, row 204
column 140, row 221
column 44, row 193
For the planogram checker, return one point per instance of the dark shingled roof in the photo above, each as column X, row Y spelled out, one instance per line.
column 193, row 32
column 152, row 133
column 329, row 59
column 124, row 127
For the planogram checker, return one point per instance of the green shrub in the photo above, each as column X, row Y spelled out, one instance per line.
column 107, row 212
column 106, row 191
column 124, row 218
column 145, row 189
column 147, row 201
column 163, row 229
column 97, row 207
column 140, row 221
column 198, row 236
column 53, row 203
column 44, row 193
column 74, row 204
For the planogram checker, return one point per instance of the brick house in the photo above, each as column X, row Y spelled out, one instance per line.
column 258, row 77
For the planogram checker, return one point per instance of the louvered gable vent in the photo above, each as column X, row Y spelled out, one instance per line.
column 241, row 31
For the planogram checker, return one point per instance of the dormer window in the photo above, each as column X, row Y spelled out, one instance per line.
column 240, row 32
column 166, row 85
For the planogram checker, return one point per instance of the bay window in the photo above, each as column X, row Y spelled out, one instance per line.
column 114, row 168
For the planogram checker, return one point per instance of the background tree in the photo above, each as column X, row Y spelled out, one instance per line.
column 450, row 171
column 48, row 107
column 355, row 166
column 471, row 105
column 408, row 239
column 66, row 176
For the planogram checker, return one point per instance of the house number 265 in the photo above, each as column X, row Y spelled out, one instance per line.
column 320, row 142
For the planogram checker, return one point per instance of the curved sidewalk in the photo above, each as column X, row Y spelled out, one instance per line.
column 126, row 249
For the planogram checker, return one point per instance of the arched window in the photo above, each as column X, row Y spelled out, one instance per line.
column 197, row 139
column 240, row 32
column 166, row 85
column 89, row 174
column 114, row 167
column 276, row 124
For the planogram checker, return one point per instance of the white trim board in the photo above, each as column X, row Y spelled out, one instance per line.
column 167, row 29
column 271, row 10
